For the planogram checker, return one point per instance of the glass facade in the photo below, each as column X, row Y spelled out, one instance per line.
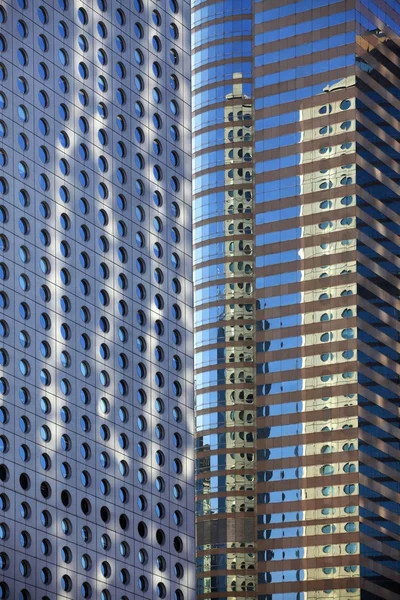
column 96, row 364
column 296, row 256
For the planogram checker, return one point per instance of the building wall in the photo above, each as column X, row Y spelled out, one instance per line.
column 322, row 83
column 96, row 407
column 223, row 236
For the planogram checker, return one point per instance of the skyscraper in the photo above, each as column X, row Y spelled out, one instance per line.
column 96, row 467
column 296, row 266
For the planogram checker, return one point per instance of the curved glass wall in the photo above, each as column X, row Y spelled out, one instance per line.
column 296, row 256
column 224, row 299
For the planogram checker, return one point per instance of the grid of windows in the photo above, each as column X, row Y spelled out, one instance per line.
column 95, row 391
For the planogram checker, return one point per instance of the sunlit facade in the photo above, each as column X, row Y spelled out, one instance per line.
column 96, row 363
column 296, row 205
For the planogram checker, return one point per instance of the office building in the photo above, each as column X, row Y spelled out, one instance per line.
column 96, row 467
column 296, row 292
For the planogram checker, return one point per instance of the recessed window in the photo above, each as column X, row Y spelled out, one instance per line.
column 138, row 29
column 120, row 41
column 173, row 30
column 82, row 16
column 83, row 43
column 156, row 42
column 120, row 17
column 173, row 56
column 174, row 82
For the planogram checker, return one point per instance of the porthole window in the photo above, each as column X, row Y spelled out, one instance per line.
column 119, row 40
column 157, row 198
column 43, row 15
column 157, row 95
column 174, row 107
column 121, row 123
column 140, row 317
column 174, row 133
column 22, row 57
column 121, row 98
column 155, row 15
column 173, row 30
column 161, row 590
column 82, row 16
column 123, row 281
column 120, row 69
column 156, row 42
column 159, row 301
column 158, row 276
column 177, row 438
column 43, row 70
column 121, row 149
column 176, row 389
column 83, row 70
column 159, row 327
column 23, row 141
column 141, row 449
column 177, row 414
column 160, row 484
column 83, row 124
column 139, row 135
column 141, row 344
column 177, row 466
column 157, row 147
column 84, row 100
column 173, row 56
column 157, row 249
column 141, row 423
column 178, row 544
column 138, row 55
column 160, row 458
column 157, row 71
column 139, row 83
column 120, row 17
column 22, row 29
column 140, row 265
column 86, row 534
column 43, row 43
column 141, row 291
column 23, row 170
column 142, row 583
column 121, row 176
column 83, row 43
column 175, row 186
column 102, row 110
column 175, row 260
column 102, row 56
column 63, row 111
column 102, row 83
column 160, row 432
column 138, row 29
column 139, row 110
column 174, row 158
column 176, row 286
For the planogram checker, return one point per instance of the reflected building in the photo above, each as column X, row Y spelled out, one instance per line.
column 96, row 362
column 296, row 281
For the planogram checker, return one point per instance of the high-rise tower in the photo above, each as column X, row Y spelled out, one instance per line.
column 296, row 274
column 96, row 482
